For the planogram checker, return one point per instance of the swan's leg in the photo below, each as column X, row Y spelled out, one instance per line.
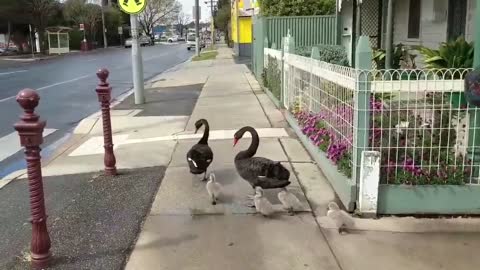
column 205, row 176
column 342, row 230
column 249, row 202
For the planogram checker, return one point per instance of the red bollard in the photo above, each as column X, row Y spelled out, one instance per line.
column 104, row 90
column 30, row 130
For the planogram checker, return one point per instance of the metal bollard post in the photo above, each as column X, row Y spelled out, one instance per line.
column 104, row 91
column 30, row 130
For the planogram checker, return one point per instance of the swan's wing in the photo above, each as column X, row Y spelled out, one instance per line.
column 259, row 167
column 200, row 153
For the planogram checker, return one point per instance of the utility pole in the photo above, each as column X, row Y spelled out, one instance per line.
column 137, row 62
column 197, row 27
column 104, row 29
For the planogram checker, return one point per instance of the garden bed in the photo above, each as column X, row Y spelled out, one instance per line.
column 344, row 187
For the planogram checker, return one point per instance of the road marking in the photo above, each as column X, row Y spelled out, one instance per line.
column 90, row 60
column 94, row 146
column 10, row 144
column 12, row 72
column 64, row 82
column 50, row 86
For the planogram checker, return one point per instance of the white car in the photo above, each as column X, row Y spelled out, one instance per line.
column 143, row 40
column 172, row 39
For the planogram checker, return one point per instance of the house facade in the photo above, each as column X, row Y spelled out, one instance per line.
column 414, row 22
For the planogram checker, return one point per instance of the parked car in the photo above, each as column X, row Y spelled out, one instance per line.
column 10, row 49
column 143, row 40
column 172, row 39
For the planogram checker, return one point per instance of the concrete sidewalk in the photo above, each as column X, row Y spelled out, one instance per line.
column 184, row 231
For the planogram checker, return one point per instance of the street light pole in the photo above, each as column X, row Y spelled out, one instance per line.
column 137, row 62
column 197, row 27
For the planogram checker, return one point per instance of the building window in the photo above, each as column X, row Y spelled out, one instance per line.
column 414, row 18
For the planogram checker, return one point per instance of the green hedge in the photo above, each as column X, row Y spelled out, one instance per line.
column 334, row 54
column 272, row 77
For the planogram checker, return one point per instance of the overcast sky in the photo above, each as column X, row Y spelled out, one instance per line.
column 188, row 8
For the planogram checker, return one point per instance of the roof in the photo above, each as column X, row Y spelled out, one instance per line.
column 58, row 29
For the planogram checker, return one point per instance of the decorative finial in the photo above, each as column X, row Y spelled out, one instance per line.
column 102, row 74
column 28, row 99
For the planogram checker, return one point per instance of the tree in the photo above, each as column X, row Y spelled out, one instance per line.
column 182, row 22
column 93, row 16
column 79, row 12
column 222, row 16
column 74, row 11
column 297, row 7
column 156, row 12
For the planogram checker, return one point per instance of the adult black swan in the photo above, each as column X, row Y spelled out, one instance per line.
column 200, row 156
column 259, row 171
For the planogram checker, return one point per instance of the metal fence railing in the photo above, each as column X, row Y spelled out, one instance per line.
column 321, row 96
column 420, row 125
column 417, row 119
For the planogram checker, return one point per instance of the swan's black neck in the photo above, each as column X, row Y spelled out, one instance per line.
column 206, row 132
column 252, row 149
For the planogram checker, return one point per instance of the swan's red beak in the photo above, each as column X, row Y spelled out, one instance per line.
column 235, row 141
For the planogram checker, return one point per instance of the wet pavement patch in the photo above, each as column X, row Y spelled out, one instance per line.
column 165, row 101
column 93, row 220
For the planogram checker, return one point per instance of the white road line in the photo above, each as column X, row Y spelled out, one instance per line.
column 64, row 82
column 90, row 60
column 10, row 144
column 12, row 72
column 50, row 86
column 8, row 98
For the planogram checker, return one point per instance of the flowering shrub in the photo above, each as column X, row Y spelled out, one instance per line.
column 413, row 156
column 315, row 127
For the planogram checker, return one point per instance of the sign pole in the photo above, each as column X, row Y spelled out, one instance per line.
column 197, row 27
column 137, row 62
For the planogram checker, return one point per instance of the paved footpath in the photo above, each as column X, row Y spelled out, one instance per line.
column 184, row 231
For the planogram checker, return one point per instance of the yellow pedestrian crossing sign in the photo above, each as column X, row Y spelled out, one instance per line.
column 132, row 6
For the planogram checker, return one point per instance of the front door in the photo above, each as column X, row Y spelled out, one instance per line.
column 457, row 14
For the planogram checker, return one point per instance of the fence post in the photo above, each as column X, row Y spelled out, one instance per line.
column 369, row 180
column 30, row 129
column 361, row 125
column 288, row 48
column 315, row 55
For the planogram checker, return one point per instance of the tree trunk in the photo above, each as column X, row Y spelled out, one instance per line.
column 41, row 41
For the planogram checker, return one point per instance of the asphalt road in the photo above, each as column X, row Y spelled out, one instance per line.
column 66, row 86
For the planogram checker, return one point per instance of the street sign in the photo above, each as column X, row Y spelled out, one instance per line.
column 132, row 7
column 195, row 14
column 82, row 27
column 120, row 30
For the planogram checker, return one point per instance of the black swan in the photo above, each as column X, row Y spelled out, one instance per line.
column 200, row 156
column 259, row 171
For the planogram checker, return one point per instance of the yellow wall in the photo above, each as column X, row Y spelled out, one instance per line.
column 245, row 25
column 245, row 29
